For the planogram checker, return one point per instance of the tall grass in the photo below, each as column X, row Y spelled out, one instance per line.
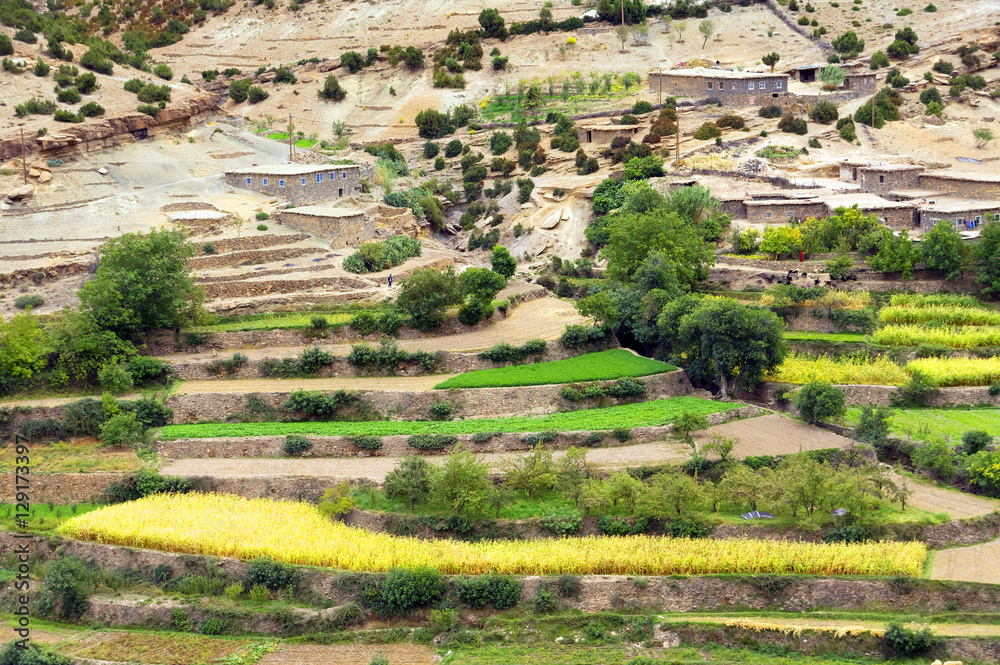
column 228, row 525
column 844, row 370
column 959, row 371
column 950, row 315
column 960, row 338
column 934, row 300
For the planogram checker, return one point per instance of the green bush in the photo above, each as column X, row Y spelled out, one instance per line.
column 163, row 71
column 29, row 301
column 819, row 401
column 296, row 444
column 431, row 441
column 68, row 96
column 84, row 417
column 366, row 442
column 908, row 642
column 642, row 106
column 621, row 525
column 122, row 429
column 317, row 404
column 406, row 590
column 771, row 111
column 91, row 110
column 975, row 441
column 707, row 131
column 62, row 115
column 45, row 429
column 67, row 589
column 562, row 522
column 824, row 112
column 115, row 379
column 544, row 602
column 271, row 574
column 501, row 591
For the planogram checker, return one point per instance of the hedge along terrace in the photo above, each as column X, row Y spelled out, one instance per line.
column 601, row 366
column 642, row 414
column 298, row 533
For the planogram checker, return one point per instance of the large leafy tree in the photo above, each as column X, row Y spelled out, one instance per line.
column 23, row 351
column 633, row 236
column 142, row 283
column 896, row 254
column 944, row 250
column 462, row 482
column 723, row 342
column 426, row 294
column 411, row 480
column 986, row 259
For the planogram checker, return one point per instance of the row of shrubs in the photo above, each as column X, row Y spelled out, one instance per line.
column 620, row 389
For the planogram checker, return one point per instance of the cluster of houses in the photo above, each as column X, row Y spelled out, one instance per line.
column 903, row 196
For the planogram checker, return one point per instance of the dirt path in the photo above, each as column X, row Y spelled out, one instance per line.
column 944, row 629
column 376, row 468
column 772, row 435
column 348, row 654
column 246, row 386
column 977, row 563
column 957, row 504
column 544, row 318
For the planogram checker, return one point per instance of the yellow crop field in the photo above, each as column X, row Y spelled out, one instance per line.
column 946, row 314
column 959, row 371
column 960, row 338
column 296, row 533
column 803, row 369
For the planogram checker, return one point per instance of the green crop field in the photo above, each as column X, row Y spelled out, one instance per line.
column 824, row 337
column 950, row 423
column 642, row 414
column 274, row 321
column 602, row 366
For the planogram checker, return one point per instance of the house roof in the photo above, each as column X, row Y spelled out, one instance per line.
column 783, row 202
column 864, row 201
column 293, row 169
column 706, row 72
column 892, row 167
column 969, row 177
column 914, row 193
column 947, row 205
column 321, row 211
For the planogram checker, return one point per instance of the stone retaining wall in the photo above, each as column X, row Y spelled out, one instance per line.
column 683, row 594
column 411, row 405
column 449, row 363
column 882, row 395
column 398, row 445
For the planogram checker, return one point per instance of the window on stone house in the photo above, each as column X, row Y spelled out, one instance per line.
column 710, row 84
column 319, row 177
column 248, row 181
column 767, row 215
column 343, row 175
column 788, row 214
column 777, row 84
column 763, row 85
column 303, row 181
column 265, row 182
column 281, row 183
column 749, row 85
column 881, row 179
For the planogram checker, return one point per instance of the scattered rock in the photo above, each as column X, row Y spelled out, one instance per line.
column 102, row 171
column 33, row 172
column 42, row 166
column 552, row 221
column 45, row 177
column 19, row 193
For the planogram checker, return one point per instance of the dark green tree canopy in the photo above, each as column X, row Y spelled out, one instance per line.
column 721, row 341
column 426, row 294
column 943, row 250
column 502, row 262
column 142, row 284
column 986, row 259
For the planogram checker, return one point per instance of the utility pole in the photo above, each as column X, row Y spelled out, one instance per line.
column 24, row 160
column 677, row 146
column 290, row 142
column 659, row 84
column 623, row 12
column 873, row 110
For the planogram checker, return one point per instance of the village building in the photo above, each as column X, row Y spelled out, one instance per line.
column 299, row 184
column 963, row 214
column 732, row 88
column 980, row 186
column 604, row 133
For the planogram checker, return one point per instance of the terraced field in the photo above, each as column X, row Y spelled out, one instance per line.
column 949, row 423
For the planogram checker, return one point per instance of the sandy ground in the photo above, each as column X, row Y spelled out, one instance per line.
column 246, row 386
column 772, row 435
column 376, row 468
column 976, row 563
column 348, row 654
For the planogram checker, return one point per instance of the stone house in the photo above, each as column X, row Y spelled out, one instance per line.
column 782, row 211
column 733, row 88
column 963, row 214
column 978, row 186
column 861, row 83
column 604, row 133
column 299, row 184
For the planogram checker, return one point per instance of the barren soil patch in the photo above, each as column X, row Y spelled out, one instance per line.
column 347, row 654
column 772, row 435
column 977, row 563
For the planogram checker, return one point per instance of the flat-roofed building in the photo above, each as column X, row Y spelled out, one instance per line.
column 978, row 186
column 299, row 184
column 733, row 88
column 963, row 214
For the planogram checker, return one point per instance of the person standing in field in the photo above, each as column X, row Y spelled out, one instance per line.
column 390, row 281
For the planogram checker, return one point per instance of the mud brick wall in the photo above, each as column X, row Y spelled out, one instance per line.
column 732, row 91
column 781, row 212
column 967, row 186
column 879, row 180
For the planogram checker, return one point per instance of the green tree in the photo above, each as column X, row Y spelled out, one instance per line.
column 848, row 45
column 983, row 136
column 831, row 75
column 142, row 283
column 819, row 401
column 672, row 494
column 331, row 90
column 493, row 24
column 481, row 284
column 122, row 429
column 498, row 497
column 432, row 124
column 24, row 350
column 804, row 483
column 726, row 342
column 462, row 482
column 986, row 259
column 624, row 487
column 707, row 29
column 411, row 480
column 873, row 425
column 896, row 254
column 426, row 294
column 771, row 59
column 633, row 236
column 688, row 422
column 743, row 484
column 600, row 307
column 779, row 240
column 572, row 473
column 66, row 587
column 533, row 473
column 502, row 262
column 943, row 249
